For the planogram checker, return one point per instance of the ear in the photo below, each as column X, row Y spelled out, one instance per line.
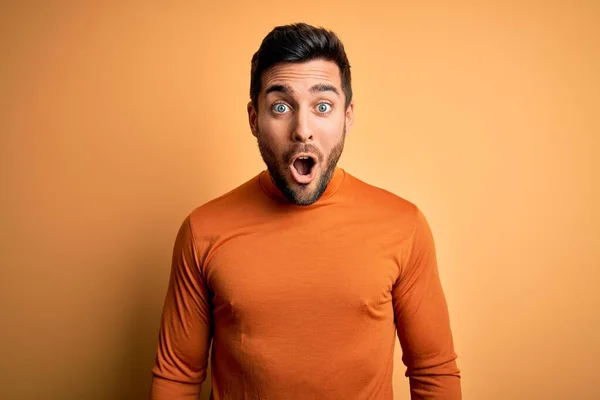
column 349, row 116
column 252, row 119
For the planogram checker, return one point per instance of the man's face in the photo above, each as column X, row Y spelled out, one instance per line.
column 300, row 125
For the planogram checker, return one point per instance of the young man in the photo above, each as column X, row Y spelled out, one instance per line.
column 302, row 276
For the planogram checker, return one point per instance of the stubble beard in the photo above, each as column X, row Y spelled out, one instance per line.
column 278, row 167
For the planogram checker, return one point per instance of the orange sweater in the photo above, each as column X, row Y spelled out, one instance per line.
column 304, row 302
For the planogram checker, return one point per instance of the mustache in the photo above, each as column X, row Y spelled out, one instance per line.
column 289, row 155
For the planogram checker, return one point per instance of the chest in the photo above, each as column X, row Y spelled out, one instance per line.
column 294, row 277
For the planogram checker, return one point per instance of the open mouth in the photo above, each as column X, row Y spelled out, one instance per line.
column 303, row 169
column 304, row 165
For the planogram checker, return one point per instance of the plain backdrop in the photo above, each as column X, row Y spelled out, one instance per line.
column 118, row 118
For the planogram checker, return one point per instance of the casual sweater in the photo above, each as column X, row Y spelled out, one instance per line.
column 304, row 302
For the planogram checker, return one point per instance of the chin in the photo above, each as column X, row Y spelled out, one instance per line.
column 304, row 193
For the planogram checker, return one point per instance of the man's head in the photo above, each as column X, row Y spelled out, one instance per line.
column 301, row 107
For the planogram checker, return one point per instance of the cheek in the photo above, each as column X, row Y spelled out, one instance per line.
column 270, row 133
column 332, row 124
column 273, row 127
column 331, row 132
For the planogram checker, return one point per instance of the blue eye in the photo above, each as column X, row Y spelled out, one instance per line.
column 323, row 107
column 280, row 108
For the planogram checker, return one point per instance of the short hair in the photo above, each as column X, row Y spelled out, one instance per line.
column 297, row 43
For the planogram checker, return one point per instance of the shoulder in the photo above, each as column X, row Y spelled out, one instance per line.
column 390, row 216
column 227, row 209
column 209, row 223
column 395, row 215
column 379, row 200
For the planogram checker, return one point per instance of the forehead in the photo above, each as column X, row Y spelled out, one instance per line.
column 302, row 76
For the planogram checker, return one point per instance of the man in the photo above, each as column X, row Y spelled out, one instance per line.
column 302, row 276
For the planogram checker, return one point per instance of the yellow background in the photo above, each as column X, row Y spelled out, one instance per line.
column 116, row 119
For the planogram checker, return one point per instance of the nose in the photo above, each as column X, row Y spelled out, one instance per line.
column 302, row 131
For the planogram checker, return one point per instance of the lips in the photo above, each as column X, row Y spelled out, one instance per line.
column 303, row 168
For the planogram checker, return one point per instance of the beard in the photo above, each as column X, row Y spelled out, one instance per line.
column 277, row 167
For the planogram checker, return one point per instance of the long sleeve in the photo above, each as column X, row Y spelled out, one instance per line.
column 185, row 332
column 422, row 321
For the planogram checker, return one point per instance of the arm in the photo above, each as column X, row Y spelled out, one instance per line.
column 185, row 331
column 422, row 321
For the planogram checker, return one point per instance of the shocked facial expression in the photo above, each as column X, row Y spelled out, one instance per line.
column 301, row 124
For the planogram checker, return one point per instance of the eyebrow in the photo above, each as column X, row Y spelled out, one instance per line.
column 324, row 88
column 320, row 87
column 279, row 88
